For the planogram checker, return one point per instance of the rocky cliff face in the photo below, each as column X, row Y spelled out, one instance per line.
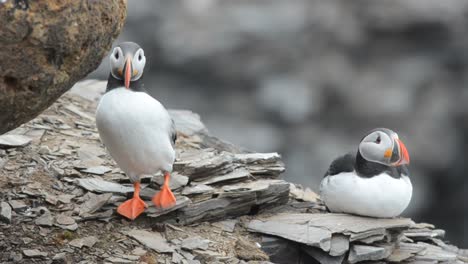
column 46, row 46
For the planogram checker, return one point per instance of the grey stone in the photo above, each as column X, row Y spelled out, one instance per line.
column 27, row 240
column 45, row 219
column 181, row 202
column 321, row 256
column 84, row 242
column 65, row 198
column 11, row 141
column 177, row 181
column 404, row 251
column 5, row 212
column 187, row 255
column 151, row 240
column 360, row 253
column 317, row 229
column 94, row 203
column 139, row 251
column 226, row 225
column 62, row 219
column 434, row 253
column 303, row 194
column 34, row 253
column 60, row 256
column 102, row 186
column 339, row 245
column 234, row 175
column 18, row 205
column 72, row 227
column 119, row 260
column 197, row 189
column 176, row 257
column 196, row 242
column 98, row 170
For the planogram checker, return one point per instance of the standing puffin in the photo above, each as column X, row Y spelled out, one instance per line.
column 136, row 128
column 375, row 182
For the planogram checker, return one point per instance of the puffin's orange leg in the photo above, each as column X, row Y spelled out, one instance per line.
column 133, row 207
column 165, row 198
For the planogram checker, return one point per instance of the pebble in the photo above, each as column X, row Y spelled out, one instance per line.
column 196, row 242
column 72, row 227
column 32, row 253
column 18, row 205
column 94, row 203
column 45, row 220
column 64, row 220
column 84, row 242
column 5, row 212
column 27, row 240
column 60, row 256
column 139, row 251
column 65, row 198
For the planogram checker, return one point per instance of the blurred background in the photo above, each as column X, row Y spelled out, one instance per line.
column 308, row 79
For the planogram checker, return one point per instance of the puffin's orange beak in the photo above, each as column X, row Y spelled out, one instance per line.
column 128, row 72
column 404, row 156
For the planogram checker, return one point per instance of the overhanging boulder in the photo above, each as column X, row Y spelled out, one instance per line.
column 47, row 46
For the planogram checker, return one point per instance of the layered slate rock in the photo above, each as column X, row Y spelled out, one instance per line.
column 212, row 179
column 232, row 206
column 47, row 46
column 342, row 238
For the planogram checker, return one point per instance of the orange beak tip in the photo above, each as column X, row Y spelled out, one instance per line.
column 405, row 158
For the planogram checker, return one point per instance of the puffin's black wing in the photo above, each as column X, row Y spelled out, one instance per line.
column 403, row 170
column 342, row 164
column 173, row 133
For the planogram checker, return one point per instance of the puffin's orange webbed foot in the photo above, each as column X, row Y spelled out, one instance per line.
column 165, row 198
column 133, row 207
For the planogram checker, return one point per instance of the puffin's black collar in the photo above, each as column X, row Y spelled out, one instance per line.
column 368, row 169
column 136, row 86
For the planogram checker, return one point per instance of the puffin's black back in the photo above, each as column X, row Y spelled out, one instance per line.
column 363, row 167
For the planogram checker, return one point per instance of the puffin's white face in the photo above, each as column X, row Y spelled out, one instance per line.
column 127, row 65
column 384, row 147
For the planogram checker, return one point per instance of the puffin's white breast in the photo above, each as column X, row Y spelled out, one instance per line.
column 378, row 196
column 135, row 128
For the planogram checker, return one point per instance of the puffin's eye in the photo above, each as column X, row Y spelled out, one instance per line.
column 139, row 57
column 378, row 140
column 116, row 55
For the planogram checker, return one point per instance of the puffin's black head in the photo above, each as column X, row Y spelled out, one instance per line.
column 383, row 146
column 127, row 62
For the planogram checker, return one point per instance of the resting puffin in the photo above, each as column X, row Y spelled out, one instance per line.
column 375, row 182
column 136, row 128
